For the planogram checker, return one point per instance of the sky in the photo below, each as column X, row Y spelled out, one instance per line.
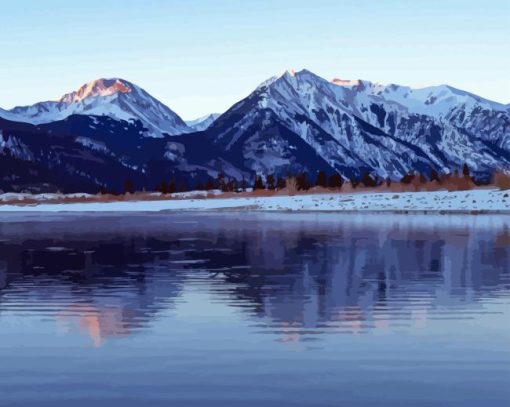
column 203, row 56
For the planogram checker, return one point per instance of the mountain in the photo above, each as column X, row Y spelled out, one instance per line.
column 448, row 106
column 90, row 153
column 358, row 126
column 115, row 98
column 203, row 122
column 96, row 138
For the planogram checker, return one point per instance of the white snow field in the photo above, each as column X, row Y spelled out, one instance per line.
column 482, row 200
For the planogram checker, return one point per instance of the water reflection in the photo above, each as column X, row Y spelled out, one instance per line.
column 295, row 277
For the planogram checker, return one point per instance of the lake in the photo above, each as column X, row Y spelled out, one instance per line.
column 254, row 309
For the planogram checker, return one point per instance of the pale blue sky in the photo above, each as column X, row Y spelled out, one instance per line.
column 203, row 56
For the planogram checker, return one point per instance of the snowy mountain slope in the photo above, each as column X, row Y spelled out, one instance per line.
column 436, row 101
column 265, row 143
column 203, row 122
column 116, row 98
column 343, row 125
column 7, row 115
column 383, row 136
column 449, row 107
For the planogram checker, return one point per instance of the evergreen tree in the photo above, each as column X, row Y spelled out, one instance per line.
column 280, row 183
column 434, row 176
column 302, row 182
column 233, row 185
column 259, row 184
column 407, row 179
column 210, row 184
column 322, row 179
column 129, row 186
column 335, row 181
column 465, row 171
column 220, row 181
column 368, row 180
column 162, row 187
column 171, row 187
column 270, row 181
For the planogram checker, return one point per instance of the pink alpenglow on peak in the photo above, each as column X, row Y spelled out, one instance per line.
column 98, row 87
column 115, row 98
column 345, row 82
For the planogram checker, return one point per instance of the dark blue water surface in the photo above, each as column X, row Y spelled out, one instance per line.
column 238, row 309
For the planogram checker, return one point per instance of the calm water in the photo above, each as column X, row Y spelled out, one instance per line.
column 254, row 310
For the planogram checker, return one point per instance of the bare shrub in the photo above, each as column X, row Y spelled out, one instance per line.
column 457, row 182
column 502, row 180
column 291, row 186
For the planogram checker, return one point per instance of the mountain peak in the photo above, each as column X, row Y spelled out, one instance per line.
column 113, row 97
column 203, row 122
column 98, row 87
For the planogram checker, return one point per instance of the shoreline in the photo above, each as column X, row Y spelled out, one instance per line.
column 477, row 201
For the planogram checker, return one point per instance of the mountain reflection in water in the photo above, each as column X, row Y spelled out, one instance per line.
column 86, row 281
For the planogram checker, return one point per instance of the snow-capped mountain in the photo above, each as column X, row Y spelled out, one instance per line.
column 449, row 107
column 203, row 122
column 359, row 126
column 434, row 101
column 115, row 98
column 294, row 122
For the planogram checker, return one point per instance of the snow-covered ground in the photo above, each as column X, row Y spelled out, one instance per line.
column 20, row 197
column 25, row 198
column 485, row 200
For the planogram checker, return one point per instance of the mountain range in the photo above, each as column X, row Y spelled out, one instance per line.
column 110, row 130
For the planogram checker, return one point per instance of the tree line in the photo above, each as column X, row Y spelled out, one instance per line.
column 304, row 181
